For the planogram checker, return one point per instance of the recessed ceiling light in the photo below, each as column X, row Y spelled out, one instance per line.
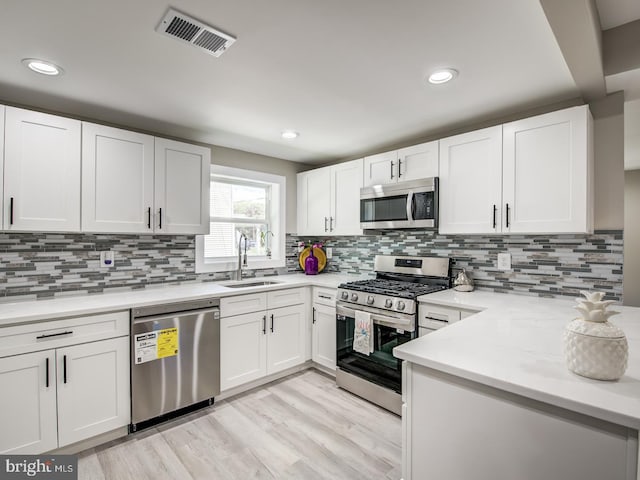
column 443, row 75
column 289, row 134
column 42, row 66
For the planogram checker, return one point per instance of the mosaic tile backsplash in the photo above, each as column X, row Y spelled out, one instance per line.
column 48, row 265
column 541, row 265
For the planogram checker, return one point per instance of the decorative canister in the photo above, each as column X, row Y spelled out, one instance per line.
column 462, row 282
column 311, row 263
column 594, row 347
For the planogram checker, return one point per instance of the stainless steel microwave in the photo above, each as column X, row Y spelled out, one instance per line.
column 412, row 204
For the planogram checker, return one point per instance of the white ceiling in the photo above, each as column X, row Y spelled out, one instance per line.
column 614, row 13
column 347, row 75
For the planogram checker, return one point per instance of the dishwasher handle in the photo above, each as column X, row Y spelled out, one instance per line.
column 168, row 316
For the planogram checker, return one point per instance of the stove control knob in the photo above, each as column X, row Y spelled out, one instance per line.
column 344, row 295
column 370, row 299
column 388, row 303
column 401, row 305
column 354, row 297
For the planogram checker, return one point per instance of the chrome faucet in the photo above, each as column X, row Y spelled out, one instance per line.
column 242, row 261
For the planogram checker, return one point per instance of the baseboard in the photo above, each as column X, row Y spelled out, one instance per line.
column 92, row 442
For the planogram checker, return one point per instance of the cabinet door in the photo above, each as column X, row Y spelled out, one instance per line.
column 28, row 403
column 93, row 389
column 346, row 182
column 547, row 173
column 243, row 354
column 418, row 161
column 381, row 168
column 182, row 179
column 314, row 201
column 41, row 172
column 117, row 180
column 286, row 342
column 471, row 182
column 324, row 336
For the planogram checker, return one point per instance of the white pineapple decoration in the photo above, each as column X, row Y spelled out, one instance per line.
column 594, row 347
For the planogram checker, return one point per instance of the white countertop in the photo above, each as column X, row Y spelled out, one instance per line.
column 39, row 310
column 516, row 344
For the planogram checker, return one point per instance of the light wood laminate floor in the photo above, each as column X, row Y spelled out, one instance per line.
column 300, row 427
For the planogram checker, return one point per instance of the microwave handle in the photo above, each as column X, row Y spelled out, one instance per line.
column 410, row 206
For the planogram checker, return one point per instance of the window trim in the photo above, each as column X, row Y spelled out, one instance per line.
column 278, row 217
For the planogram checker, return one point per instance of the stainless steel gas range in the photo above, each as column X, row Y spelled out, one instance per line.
column 391, row 302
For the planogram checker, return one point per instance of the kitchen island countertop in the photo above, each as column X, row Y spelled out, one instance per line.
column 515, row 344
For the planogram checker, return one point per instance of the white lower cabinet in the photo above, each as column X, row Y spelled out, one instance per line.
column 93, row 389
column 28, row 403
column 323, row 327
column 262, row 342
column 60, row 396
column 323, row 336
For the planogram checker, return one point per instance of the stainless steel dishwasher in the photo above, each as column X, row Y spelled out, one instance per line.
column 175, row 359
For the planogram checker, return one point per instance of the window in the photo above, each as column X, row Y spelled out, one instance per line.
column 243, row 202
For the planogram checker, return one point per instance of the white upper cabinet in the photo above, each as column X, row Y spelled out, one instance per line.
column 313, row 201
column 182, row 180
column 41, row 172
column 329, row 200
column 418, row 161
column 381, row 168
column 529, row 176
column 346, row 181
column 471, row 182
column 117, row 180
column 135, row 183
column 410, row 163
column 547, row 165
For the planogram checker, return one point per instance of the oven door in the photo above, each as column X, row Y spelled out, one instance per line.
column 380, row 366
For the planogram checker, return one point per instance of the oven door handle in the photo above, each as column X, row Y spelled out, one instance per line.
column 378, row 319
column 410, row 206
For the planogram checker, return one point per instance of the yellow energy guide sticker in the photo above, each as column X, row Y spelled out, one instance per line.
column 167, row 342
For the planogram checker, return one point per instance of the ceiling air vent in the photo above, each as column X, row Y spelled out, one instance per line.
column 187, row 29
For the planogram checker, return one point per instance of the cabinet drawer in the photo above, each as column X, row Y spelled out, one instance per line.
column 435, row 316
column 324, row 296
column 237, row 305
column 33, row 337
column 284, row 298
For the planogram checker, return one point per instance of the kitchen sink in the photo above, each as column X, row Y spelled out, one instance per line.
column 263, row 283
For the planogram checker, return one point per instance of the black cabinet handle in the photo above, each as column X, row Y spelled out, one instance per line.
column 325, row 224
column 437, row 319
column 507, row 215
column 47, row 373
column 313, row 315
column 272, row 323
column 64, row 368
column 149, row 218
column 49, row 335
column 331, row 224
column 391, row 170
column 325, row 297
column 495, row 211
column 264, row 325
column 11, row 211
column 399, row 168
column 160, row 214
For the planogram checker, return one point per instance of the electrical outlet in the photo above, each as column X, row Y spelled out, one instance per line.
column 107, row 259
column 329, row 252
column 504, row 261
column 300, row 247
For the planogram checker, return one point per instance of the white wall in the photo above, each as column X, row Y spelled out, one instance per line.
column 260, row 163
column 631, row 271
column 608, row 125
